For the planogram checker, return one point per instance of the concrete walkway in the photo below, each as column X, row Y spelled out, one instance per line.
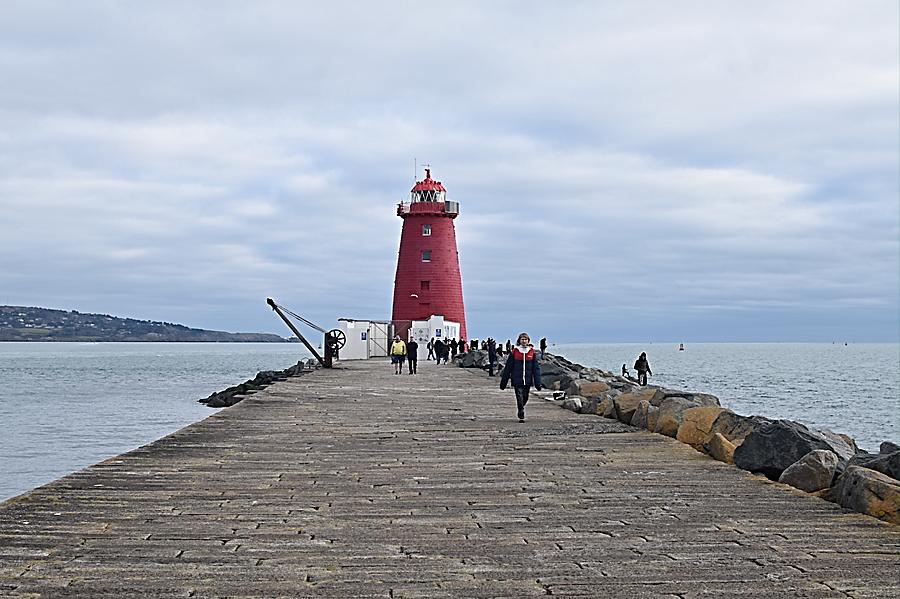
column 355, row 482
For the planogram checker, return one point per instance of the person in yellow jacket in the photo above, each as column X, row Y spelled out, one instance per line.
column 398, row 354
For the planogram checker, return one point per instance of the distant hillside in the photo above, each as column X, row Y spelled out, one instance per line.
column 18, row 323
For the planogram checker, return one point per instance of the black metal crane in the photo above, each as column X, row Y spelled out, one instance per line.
column 334, row 339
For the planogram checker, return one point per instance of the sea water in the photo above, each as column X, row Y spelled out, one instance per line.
column 852, row 388
column 64, row 406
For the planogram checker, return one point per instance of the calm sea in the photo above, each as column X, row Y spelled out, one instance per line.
column 852, row 389
column 64, row 406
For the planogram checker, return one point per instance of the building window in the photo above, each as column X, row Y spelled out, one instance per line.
column 424, row 285
column 426, row 255
column 426, row 230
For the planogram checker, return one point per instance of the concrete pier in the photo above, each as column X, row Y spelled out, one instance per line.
column 356, row 482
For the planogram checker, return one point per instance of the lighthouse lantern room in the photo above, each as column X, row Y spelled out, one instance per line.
column 428, row 280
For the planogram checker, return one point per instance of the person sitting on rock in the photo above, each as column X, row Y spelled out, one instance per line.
column 643, row 368
column 523, row 370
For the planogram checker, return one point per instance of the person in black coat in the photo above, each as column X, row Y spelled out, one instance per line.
column 412, row 356
column 492, row 355
column 523, row 370
column 643, row 368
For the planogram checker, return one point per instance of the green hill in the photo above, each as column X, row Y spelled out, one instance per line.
column 19, row 323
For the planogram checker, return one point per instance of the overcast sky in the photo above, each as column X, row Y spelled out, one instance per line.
column 626, row 171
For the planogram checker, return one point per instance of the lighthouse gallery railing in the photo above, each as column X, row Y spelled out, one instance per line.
column 446, row 207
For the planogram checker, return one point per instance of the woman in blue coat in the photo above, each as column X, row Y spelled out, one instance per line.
column 523, row 370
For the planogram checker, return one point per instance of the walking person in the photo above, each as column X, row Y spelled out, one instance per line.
column 438, row 350
column 543, row 346
column 453, row 347
column 412, row 355
column 492, row 355
column 430, row 346
column 522, row 370
column 398, row 354
column 643, row 368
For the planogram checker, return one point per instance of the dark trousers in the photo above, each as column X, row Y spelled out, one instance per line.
column 430, row 354
column 521, row 400
column 642, row 377
column 491, row 368
column 413, row 363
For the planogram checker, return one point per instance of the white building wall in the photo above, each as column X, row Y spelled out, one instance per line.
column 436, row 327
column 365, row 338
column 371, row 338
column 357, row 346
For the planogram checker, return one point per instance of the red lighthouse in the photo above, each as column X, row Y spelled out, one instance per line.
column 428, row 280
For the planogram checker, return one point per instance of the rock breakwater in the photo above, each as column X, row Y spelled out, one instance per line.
column 264, row 378
column 824, row 463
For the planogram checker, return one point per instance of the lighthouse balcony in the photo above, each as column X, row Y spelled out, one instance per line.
column 445, row 208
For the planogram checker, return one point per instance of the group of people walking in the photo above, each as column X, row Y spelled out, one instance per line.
column 522, row 368
column 403, row 351
column 440, row 350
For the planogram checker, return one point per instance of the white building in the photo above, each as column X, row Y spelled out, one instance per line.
column 365, row 338
column 438, row 328
column 372, row 338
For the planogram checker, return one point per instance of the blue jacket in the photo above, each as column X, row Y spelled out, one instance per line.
column 523, row 370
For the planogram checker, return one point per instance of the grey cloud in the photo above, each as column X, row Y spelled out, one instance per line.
column 723, row 172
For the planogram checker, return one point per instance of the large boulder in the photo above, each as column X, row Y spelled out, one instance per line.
column 720, row 448
column 888, row 447
column 555, row 376
column 627, row 403
column 813, row 472
column 607, row 408
column 886, row 463
column 868, row 492
column 703, row 399
column 735, row 427
column 645, row 416
column 771, row 449
column 572, row 404
column 841, row 440
column 475, row 358
column 623, row 385
column 696, row 425
column 592, row 374
column 671, row 414
column 587, row 388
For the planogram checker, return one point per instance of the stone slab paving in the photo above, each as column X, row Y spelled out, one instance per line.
column 356, row 482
